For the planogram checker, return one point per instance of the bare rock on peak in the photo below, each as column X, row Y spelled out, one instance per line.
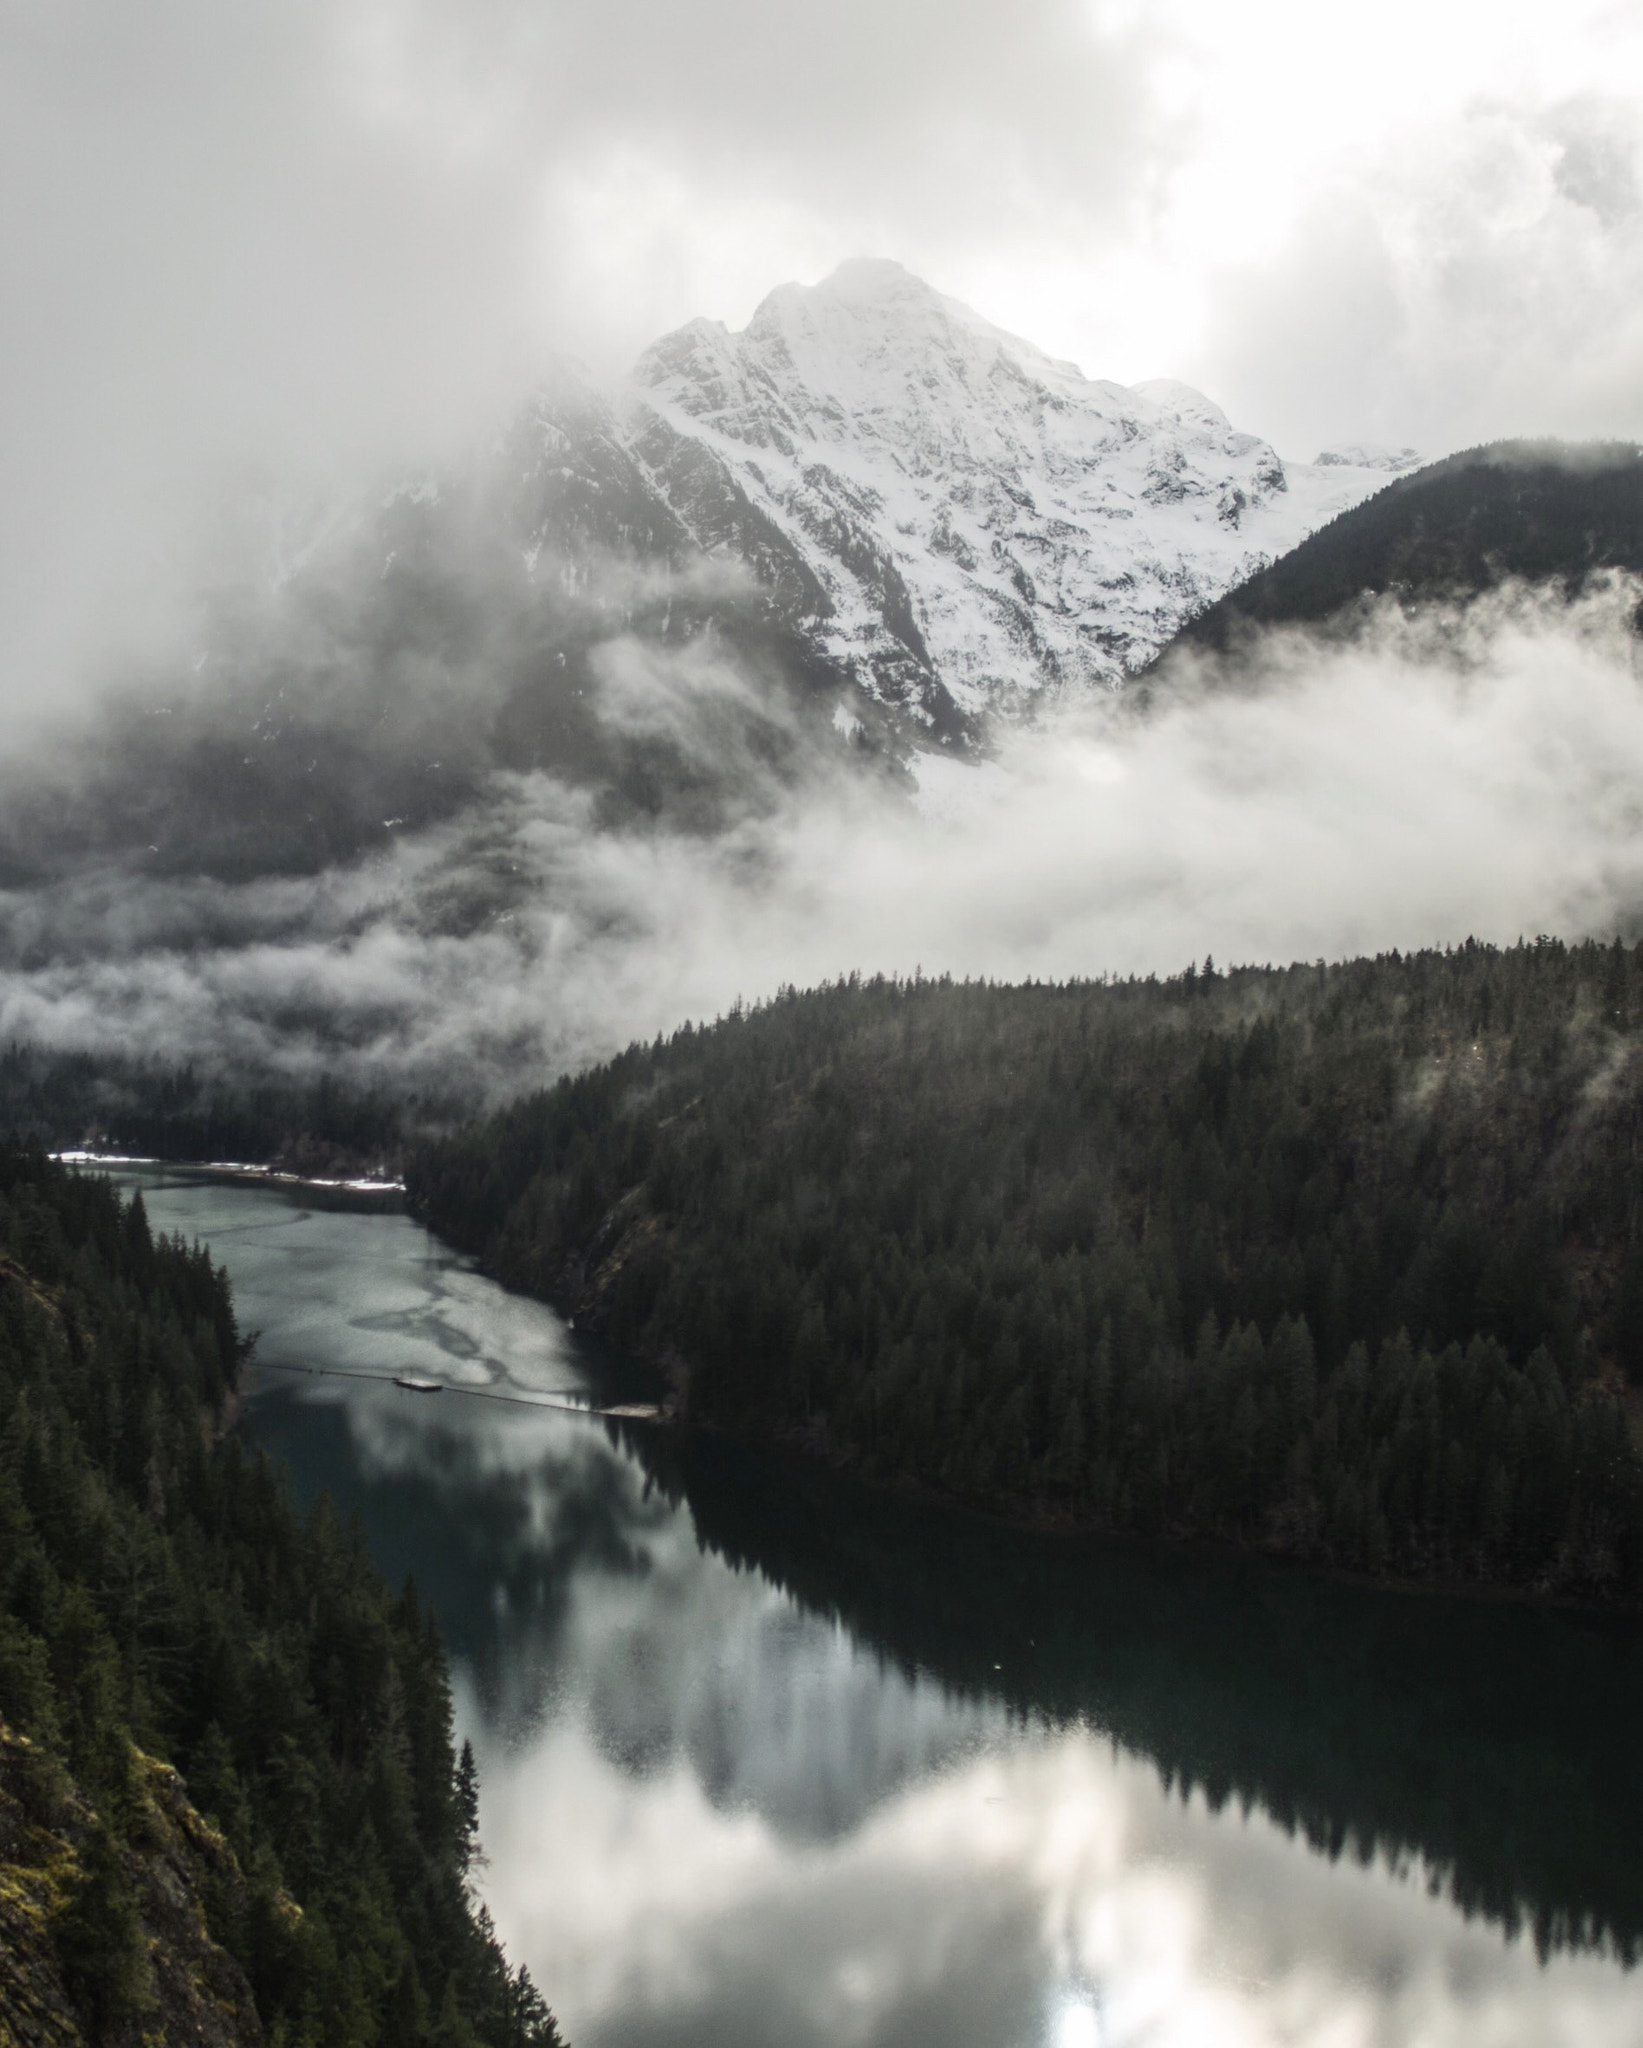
column 978, row 521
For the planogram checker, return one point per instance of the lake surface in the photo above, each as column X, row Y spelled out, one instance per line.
column 770, row 1760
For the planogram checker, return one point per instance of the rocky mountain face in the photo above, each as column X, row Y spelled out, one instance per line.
column 865, row 528
column 870, row 493
column 960, row 521
column 54, row 1972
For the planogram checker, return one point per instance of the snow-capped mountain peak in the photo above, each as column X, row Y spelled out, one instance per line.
column 967, row 520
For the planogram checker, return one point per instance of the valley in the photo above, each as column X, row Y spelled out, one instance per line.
column 739, row 1721
column 953, row 1383
column 821, row 1025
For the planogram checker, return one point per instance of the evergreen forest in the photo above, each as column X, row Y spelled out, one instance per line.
column 1338, row 1261
column 163, row 1608
column 147, row 1108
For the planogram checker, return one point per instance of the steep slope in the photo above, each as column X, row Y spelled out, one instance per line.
column 974, row 521
column 1335, row 1261
column 238, row 1798
column 868, row 523
column 59, row 1985
column 1544, row 511
column 531, row 610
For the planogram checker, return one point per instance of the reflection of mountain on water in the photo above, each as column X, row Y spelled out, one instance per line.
column 1497, row 1743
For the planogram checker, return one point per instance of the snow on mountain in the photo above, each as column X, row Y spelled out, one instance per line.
column 861, row 531
column 1364, row 455
column 960, row 521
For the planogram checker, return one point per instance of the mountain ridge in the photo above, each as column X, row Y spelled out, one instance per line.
column 985, row 523
column 1539, row 511
column 869, row 527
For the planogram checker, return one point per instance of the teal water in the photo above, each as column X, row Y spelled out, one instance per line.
column 769, row 1759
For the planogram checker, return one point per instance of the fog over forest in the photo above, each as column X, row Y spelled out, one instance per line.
column 1462, row 771
column 267, row 266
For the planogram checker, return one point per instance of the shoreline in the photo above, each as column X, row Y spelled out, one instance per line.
column 1041, row 1519
column 1030, row 1520
column 233, row 1169
column 1024, row 1515
column 1035, row 1517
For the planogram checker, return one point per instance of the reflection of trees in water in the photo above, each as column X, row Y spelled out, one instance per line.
column 494, row 1544
column 554, row 1561
column 1494, row 1742
column 1497, row 1743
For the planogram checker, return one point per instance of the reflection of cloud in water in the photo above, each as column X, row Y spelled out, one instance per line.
column 593, row 1599
column 775, row 1710
column 985, row 1904
column 571, row 1588
column 716, row 1814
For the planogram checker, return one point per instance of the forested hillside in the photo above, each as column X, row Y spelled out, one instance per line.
column 1543, row 511
column 1342, row 1261
column 164, row 1610
column 151, row 1109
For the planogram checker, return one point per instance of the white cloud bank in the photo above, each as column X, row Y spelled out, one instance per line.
column 285, row 243
column 1462, row 773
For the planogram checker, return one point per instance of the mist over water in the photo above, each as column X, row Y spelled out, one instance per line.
column 1464, row 771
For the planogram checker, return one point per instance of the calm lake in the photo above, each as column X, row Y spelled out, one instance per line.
column 771, row 1760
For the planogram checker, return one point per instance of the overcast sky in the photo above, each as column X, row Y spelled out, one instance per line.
column 246, row 239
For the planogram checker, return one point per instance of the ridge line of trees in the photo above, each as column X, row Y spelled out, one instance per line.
column 1342, row 1262
column 1547, row 512
column 162, row 1599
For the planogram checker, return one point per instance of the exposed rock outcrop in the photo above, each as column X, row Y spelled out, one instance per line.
column 182, row 1986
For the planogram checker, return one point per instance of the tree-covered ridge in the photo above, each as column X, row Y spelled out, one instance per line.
column 162, row 1602
column 148, row 1108
column 1338, row 1260
column 1541, row 511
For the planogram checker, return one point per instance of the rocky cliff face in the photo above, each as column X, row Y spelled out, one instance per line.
column 869, row 526
column 181, row 1987
column 962, row 521
column 879, row 492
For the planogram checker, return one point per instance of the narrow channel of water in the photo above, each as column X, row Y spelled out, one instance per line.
column 769, row 1759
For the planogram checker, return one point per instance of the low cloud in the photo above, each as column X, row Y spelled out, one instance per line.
column 1477, row 771
column 283, row 247
column 1482, row 277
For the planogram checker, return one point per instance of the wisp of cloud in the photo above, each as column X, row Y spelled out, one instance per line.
column 1475, row 771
